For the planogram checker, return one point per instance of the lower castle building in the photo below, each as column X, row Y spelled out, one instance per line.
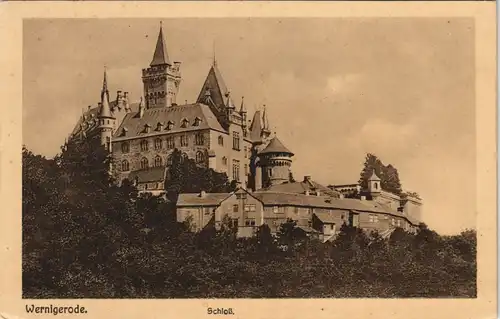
column 317, row 210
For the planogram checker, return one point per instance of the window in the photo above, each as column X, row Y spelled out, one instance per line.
column 224, row 160
column 197, row 121
column 235, row 208
column 184, row 123
column 147, row 128
column 170, row 125
column 275, row 209
column 184, row 140
column 245, row 151
column 125, row 166
column 199, row 139
column 296, row 210
column 144, row 163
column 200, row 158
column 373, row 218
column 144, row 145
column 246, row 169
column 221, row 140
column 236, row 141
column 376, row 185
column 125, row 147
column 270, row 172
column 169, row 160
column 236, row 170
column 393, row 221
column 250, row 222
column 399, row 223
column 250, row 208
column 158, row 161
column 158, row 144
column 170, row 142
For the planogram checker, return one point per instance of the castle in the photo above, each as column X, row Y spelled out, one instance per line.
column 218, row 135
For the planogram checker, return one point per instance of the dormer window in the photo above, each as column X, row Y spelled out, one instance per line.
column 159, row 126
column 197, row 121
column 184, row 123
column 124, row 131
column 147, row 128
column 170, row 125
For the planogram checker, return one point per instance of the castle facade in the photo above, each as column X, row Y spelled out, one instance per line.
column 219, row 135
column 141, row 136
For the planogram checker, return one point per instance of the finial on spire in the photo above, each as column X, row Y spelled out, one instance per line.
column 214, row 62
column 242, row 107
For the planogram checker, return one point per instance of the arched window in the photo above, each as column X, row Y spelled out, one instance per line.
column 184, row 123
column 125, row 166
column 224, row 160
column 158, row 161
column 376, row 185
column 158, row 144
column 125, row 147
column 144, row 145
column 200, row 158
column 144, row 163
column 221, row 140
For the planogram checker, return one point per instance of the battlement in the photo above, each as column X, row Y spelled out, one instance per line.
column 162, row 69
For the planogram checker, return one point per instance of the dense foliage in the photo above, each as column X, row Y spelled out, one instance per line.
column 85, row 237
column 388, row 174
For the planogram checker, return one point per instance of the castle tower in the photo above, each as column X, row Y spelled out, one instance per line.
column 106, row 118
column 162, row 79
column 374, row 185
column 275, row 162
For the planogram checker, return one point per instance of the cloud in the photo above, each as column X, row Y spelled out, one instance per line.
column 343, row 83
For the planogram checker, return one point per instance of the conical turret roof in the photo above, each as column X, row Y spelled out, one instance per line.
column 276, row 146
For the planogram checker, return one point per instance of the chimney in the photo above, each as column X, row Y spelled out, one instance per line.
column 307, row 178
column 203, row 194
column 307, row 192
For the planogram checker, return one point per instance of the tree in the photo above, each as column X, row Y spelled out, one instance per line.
column 184, row 176
column 389, row 176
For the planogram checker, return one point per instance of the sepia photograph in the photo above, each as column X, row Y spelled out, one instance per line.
column 249, row 158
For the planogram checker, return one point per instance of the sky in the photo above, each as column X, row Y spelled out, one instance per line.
column 335, row 89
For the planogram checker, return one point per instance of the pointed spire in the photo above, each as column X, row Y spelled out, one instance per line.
column 105, row 110
column 229, row 102
column 265, row 120
column 141, row 107
column 161, row 55
column 243, row 109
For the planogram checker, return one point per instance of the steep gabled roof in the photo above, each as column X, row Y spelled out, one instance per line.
column 216, row 86
column 161, row 55
column 275, row 146
column 175, row 114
